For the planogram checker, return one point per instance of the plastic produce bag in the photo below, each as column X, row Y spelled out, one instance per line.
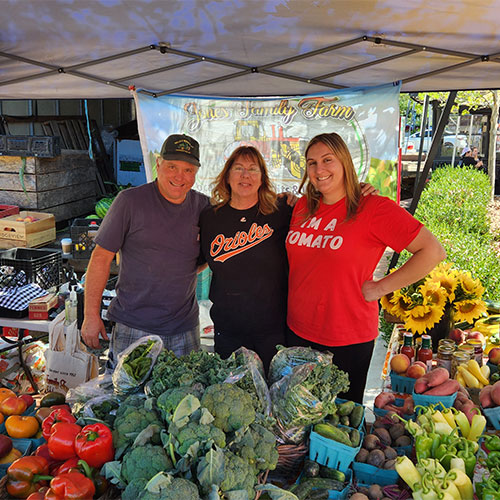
column 101, row 408
column 250, row 377
column 98, row 386
column 135, row 364
column 287, row 358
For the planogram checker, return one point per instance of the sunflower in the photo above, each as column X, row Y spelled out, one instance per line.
column 470, row 286
column 421, row 318
column 401, row 303
column 468, row 310
column 433, row 294
column 443, row 267
column 448, row 281
column 385, row 302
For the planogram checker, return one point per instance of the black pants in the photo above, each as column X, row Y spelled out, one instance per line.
column 353, row 359
column 263, row 342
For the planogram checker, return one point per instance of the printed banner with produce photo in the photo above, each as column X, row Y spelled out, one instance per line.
column 366, row 118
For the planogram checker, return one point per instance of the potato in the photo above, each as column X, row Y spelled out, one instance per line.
column 362, row 456
column 402, row 441
column 359, row 496
column 383, row 435
column 390, row 464
column 485, row 396
column 380, row 422
column 495, row 393
column 376, row 458
column 371, row 441
column 390, row 453
column 375, row 492
column 396, row 431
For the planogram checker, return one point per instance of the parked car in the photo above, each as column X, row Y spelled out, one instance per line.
column 448, row 141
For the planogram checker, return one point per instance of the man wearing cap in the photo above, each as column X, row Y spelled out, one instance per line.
column 155, row 228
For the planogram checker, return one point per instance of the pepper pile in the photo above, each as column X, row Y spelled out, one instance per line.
column 489, row 489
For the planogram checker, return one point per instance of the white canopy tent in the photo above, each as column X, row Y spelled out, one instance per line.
column 97, row 48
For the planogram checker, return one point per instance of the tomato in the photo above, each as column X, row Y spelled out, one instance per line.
column 5, row 445
column 5, row 393
column 2, row 418
column 13, row 405
column 28, row 399
column 19, row 426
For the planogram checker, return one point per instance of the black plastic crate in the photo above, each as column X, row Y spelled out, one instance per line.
column 82, row 234
column 30, row 145
column 43, row 267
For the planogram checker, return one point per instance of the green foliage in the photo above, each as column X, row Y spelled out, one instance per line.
column 144, row 462
column 453, row 206
column 168, row 401
column 383, row 175
column 385, row 328
column 231, row 406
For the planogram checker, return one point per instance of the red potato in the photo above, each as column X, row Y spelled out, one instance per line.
column 408, row 406
column 458, row 405
column 447, row 388
column 420, row 385
column 436, row 377
column 383, row 399
column 485, row 396
column 495, row 393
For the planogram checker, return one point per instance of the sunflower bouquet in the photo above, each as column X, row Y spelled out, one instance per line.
column 421, row 305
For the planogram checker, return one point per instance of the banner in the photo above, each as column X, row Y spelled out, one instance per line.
column 280, row 127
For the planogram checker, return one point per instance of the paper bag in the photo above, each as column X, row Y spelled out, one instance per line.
column 68, row 362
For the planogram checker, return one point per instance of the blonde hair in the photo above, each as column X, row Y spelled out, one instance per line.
column 351, row 183
column 221, row 193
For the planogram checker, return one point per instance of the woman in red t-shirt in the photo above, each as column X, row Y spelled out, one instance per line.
column 335, row 242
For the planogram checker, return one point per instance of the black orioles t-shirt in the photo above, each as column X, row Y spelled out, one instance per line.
column 246, row 253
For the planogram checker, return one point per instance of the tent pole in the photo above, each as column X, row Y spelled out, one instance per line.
column 436, row 141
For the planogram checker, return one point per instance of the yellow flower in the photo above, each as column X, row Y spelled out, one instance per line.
column 448, row 281
column 468, row 310
column 401, row 303
column 421, row 318
column 385, row 302
column 433, row 294
column 443, row 267
column 470, row 286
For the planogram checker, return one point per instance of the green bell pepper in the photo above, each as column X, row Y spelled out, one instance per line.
column 493, row 459
column 423, row 445
column 469, row 459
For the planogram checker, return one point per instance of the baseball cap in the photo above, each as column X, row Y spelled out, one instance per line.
column 465, row 150
column 181, row 147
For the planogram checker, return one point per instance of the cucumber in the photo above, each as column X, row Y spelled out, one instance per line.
column 318, row 494
column 356, row 416
column 355, row 437
column 302, row 490
column 52, row 398
column 345, row 420
column 324, row 483
column 330, row 432
column 311, row 468
column 345, row 409
column 334, row 420
column 328, row 473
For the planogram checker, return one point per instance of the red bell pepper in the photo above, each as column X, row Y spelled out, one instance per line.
column 94, row 444
column 59, row 415
column 62, row 440
column 43, row 451
column 39, row 495
column 71, row 463
column 27, row 475
column 78, row 465
column 71, row 486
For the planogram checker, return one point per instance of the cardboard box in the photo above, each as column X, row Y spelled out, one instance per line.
column 39, row 308
column 9, row 331
column 16, row 231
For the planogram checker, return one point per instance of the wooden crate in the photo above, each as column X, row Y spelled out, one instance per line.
column 64, row 186
column 20, row 233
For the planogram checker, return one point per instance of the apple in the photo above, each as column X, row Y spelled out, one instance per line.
column 400, row 363
column 28, row 219
column 494, row 355
column 420, row 363
column 28, row 399
column 457, row 335
column 476, row 336
column 20, row 219
column 13, row 406
column 416, row 370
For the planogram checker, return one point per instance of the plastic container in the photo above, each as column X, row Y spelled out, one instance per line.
column 360, row 426
column 332, row 454
column 401, row 384
column 24, row 446
column 424, row 400
column 493, row 416
column 82, row 233
column 369, row 474
column 203, row 284
column 43, row 267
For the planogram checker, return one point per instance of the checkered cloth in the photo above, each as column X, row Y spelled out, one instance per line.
column 17, row 298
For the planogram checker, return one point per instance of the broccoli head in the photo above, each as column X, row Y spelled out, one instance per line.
column 195, row 432
column 131, row 423
column 179, row 488
column 144, row 462
column 238, row 475
column 133, row 489
column 168, row 400
column 258, row 447
column 231, row 406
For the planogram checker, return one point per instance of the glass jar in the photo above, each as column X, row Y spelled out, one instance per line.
column 459, row 357
column 469, row 349
column 444, row 356
column 478, row 350
column 449, row 342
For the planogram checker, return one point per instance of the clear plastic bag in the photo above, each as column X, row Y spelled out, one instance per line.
column 101, row 386
column 101, row 407
column 250, row 377
column 135, row 364
column 287, row 358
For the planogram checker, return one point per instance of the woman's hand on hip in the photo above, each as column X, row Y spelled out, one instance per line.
column 371, row 290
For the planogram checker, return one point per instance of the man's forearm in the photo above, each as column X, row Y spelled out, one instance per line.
column 95, row 281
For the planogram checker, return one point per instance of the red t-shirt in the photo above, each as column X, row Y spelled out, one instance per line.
column 330, row 260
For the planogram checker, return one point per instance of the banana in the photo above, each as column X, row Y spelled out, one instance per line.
column 473, row 367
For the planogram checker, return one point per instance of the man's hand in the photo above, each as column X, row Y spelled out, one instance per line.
column 367, row 189
column 91, row 329
column 371, row 291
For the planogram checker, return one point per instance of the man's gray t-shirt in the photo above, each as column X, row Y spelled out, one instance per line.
column 159, row 247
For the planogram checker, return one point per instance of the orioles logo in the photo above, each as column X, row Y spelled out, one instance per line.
column 223, row 248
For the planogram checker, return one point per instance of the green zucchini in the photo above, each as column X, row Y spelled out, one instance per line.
column 334, row 433
column 356, row 416
column 328, row 473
